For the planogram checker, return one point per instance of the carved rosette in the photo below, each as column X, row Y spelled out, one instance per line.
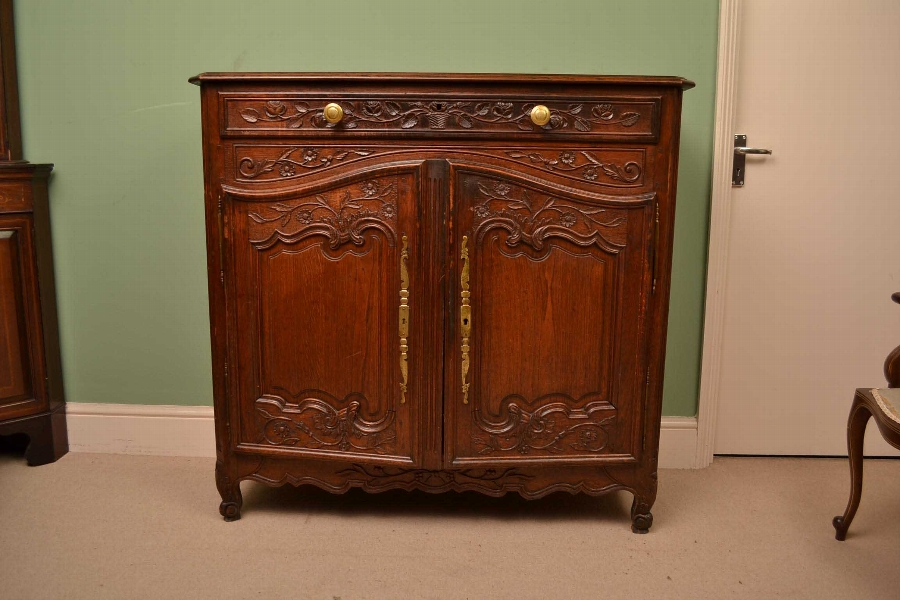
column 555, row 428
column 342, row 216
column 634, row 118
column 584, row 166
column 532, row 218
column 317, row 423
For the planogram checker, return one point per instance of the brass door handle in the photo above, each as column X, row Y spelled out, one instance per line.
column 333, row 113
column 404, row 319
column 465, row 317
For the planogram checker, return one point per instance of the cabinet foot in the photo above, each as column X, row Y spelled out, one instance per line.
column 231, row 510
column 641, row 517
column 641, row 523
column 47, row 436
column 230, row 490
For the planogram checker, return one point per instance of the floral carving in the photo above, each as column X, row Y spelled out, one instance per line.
column 442, row 114
column 342, row 217
column 527, row 481
column 316, row 423
column 483, row 479
column 287, row 163
column 553, row 428
column 532, row 219
column 585, row 163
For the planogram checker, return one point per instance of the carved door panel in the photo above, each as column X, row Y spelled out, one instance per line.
column 20, row 336
column 546, row 344
column 326, row 319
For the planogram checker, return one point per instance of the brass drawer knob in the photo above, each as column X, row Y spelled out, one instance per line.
column 540, row 115
column 333, row 112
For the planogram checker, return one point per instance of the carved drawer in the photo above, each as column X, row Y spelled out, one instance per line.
column 633, row 119
column 439, row 282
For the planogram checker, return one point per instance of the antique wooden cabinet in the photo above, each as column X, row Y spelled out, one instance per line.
column 31, row 392
column 439, row 282
column 31, row 387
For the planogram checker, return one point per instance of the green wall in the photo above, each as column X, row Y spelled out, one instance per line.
column 105, row 97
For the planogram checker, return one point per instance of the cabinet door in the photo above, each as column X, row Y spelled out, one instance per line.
column 325, row 318
column 545, row 359
column 20, row 335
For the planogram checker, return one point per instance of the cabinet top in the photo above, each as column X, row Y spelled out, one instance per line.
column 636, row 80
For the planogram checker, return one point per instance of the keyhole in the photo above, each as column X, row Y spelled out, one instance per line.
column 465, row 321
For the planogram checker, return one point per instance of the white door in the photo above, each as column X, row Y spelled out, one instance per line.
column 814, row 249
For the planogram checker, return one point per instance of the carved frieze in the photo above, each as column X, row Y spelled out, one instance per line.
column 531, row 217
column 316, row 422
column 586, row 166
column 555, row 428
column 268, row 163
column 378, row 477
column 621, row 117
column 341, row 215
column 496, row 481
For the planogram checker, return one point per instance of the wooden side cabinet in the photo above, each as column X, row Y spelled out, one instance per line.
column 31, row 389
column 439, row 282
column 31, row 392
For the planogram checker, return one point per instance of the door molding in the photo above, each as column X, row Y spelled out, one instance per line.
column 719, row 229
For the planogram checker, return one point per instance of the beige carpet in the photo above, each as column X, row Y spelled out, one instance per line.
column 107, row 526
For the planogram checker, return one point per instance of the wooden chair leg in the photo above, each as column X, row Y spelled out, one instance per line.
column 856, row 431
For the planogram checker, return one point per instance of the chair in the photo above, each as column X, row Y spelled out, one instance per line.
column 884, row 405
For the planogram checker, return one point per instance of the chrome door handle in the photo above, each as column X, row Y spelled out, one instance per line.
column 745, row 150
column 740, row 158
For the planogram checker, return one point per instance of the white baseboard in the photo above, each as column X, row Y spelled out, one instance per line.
column 141, row 429
column 189, row 431
column 678, row 443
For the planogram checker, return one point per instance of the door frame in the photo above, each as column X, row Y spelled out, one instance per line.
column 719, row 229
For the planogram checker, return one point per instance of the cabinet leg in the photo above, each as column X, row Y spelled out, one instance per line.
column 856, row 431
column 641, row 517
column 47, row 436
column 230, row 490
